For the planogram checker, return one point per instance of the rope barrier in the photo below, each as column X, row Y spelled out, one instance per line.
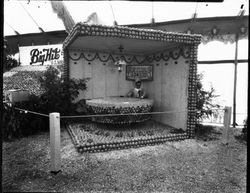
column 110, row 115
column 32, row 112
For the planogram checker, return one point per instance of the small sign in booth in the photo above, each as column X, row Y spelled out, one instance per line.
column 143, row 72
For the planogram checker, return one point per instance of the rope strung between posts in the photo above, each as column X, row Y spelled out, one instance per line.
column 9, row 104
column 31, row 112
column 108, row 115
column 148, row 113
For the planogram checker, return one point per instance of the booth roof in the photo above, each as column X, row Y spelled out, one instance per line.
column 139, row 41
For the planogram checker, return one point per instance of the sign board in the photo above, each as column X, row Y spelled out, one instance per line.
column 144, row 72
column 41, row 55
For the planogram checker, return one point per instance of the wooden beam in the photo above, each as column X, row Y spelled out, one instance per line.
column 55, row 142
column 222, row 61
column 227, row 130
column 185, row 21
column 235, row 81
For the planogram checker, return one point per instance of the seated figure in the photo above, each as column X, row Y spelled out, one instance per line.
column 138, row 91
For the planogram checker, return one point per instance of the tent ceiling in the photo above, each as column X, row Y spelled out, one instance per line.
column 125, row 12
column 131, row 46
column 204, row 26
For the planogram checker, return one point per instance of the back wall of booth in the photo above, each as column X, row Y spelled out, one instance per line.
column 168, row 87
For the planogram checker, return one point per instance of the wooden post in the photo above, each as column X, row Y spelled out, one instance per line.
column 235, row 81
column 227, row 131
column 54, row 123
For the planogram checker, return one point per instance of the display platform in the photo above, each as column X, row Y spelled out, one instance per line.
column 92, row 137
column 118, row 106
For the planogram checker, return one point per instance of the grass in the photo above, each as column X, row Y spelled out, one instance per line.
column 207, row 132
column 192, row 165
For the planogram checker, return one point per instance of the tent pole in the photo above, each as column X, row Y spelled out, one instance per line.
column 235, row 80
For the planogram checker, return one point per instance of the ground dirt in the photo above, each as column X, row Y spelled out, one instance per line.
column 192, row 165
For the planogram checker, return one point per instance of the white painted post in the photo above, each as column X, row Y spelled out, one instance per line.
column 227, row 131
column 54, row 123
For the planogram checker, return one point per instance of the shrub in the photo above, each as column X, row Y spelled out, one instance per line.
column 205, row 100
column 205, row 107
column 58, row 96
column 8, row 60
column 243, row 135
column 244, row 130
column 206, row 132
column 18, row 124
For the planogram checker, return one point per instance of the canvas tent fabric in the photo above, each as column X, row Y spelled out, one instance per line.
column 224, row 29
column 63, row 14
column 42, row 12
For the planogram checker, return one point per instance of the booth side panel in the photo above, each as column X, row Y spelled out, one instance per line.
column 157, row 88
column 174, row 93
column 169, row 89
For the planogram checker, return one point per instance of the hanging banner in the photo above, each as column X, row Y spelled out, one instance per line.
column 41, row 55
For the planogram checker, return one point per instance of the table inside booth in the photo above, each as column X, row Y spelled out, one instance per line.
column 118, row 106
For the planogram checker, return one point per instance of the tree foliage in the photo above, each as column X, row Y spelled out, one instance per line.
column 205, row 100
column 58, row 96
column 244, row 130
column 8, row 61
